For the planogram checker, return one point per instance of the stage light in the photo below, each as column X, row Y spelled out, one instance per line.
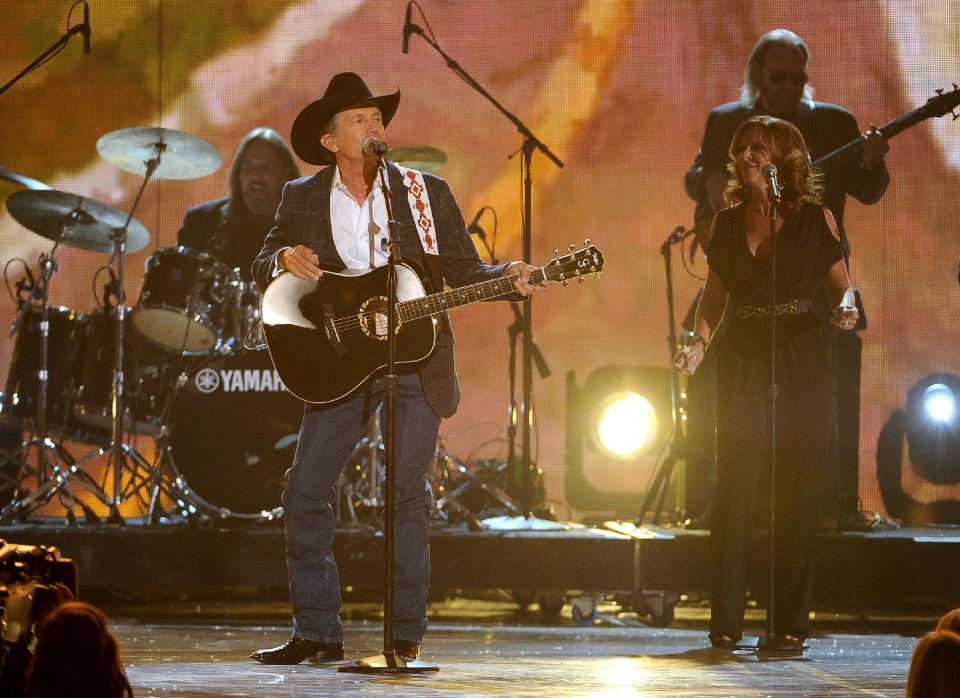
column 626, row 426
column 939, row 402
column 618, row 425
column 930, row 427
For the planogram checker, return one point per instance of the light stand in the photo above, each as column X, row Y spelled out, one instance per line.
column 522, row 473
column 389, row 661
column 678, row 444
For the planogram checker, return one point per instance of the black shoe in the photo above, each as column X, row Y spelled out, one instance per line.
column 408, row 649
column 791, row 644
column 868, row 522
column 296, row 649
column 723, row 642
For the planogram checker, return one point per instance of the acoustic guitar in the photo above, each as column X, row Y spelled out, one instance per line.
column 328, row 337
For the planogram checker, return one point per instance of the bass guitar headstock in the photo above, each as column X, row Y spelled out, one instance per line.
column 944, row 103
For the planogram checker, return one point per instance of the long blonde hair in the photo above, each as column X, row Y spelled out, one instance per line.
column 801, row 181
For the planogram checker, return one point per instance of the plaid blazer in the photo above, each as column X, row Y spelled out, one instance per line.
column 303, row 218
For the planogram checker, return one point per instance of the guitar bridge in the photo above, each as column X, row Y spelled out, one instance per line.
column 331, row 330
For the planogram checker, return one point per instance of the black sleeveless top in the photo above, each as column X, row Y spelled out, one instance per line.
column 806, row 249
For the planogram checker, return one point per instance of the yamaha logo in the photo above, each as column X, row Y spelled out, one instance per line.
column 207, row 380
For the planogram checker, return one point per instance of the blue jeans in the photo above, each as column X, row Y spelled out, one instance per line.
column 327, row 438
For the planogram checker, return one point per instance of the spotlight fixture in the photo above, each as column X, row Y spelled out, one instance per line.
column 618, row 424
column 930, row 426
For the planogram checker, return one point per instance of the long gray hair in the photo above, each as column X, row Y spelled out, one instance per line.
column 751, row 71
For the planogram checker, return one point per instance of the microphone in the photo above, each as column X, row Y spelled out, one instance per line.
column 473, row 227
column 374, row 146
column 85, row 30
column 769, row 172
column 408, row 28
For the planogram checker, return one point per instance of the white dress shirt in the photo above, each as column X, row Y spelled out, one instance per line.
column 359, row 230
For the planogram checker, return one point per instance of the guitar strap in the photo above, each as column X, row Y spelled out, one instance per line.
column 419, row 200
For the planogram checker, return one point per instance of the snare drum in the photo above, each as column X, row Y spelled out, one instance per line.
column 65, row 346
column 148, row 375
column 185, row 301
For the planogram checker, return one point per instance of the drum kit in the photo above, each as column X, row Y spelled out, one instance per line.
column 191, row 374
column 219, row 414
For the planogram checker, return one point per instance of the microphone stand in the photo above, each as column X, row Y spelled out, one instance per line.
column 389, row 661
column 661, row 479
column 763, row 643
column 521, row 474
column 55, row 48
column 516, row 327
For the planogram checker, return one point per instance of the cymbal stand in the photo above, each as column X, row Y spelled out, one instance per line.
column 119, row 450
column 52, row 476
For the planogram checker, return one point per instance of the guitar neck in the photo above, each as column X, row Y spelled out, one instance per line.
column 465, row 295
column 888, row 130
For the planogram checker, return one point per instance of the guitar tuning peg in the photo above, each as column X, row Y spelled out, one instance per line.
column 556, row 251
column 597, row 274
column 586, row 242
column 955, row 88
column 565, row 283
column 571, row 247
column 580, row 279
column 939, row 91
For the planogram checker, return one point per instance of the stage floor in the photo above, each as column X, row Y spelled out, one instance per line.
column 496, row 658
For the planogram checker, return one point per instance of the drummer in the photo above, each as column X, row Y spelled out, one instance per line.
column 233, row 228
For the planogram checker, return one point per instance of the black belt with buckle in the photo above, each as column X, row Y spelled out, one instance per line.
column 794, row 307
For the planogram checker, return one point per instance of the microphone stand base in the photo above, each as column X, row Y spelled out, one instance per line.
column 387, row 663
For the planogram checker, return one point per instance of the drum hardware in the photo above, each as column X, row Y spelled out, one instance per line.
column 163, row 154
column 86, row 224
column 54, row 475
column 188, row 298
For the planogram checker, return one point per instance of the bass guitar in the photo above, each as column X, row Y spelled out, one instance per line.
column 328, row 337
column 943, row 103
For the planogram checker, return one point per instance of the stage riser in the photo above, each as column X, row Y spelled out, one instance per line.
column 852, row 569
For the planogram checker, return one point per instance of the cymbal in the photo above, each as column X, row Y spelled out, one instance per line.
column 182, row 156
column 88, row 222
column 422, row 158
column 22, row 180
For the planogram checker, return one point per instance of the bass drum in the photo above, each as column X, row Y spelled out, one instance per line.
column 233, row 431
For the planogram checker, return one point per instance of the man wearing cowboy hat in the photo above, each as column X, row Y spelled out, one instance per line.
column 337, row 218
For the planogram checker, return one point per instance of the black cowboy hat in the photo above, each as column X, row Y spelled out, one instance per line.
column 345, row 90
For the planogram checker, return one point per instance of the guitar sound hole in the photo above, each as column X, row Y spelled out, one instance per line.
column 373, row 318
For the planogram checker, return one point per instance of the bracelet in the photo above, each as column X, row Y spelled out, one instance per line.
column 694, row 338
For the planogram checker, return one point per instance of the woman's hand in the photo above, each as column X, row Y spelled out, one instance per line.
column 845, row 316
column 689, row 358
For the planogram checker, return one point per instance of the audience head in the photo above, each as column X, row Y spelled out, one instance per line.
column 77, row 656
column 935, row 666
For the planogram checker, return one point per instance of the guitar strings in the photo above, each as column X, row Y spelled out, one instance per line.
column 359, row 321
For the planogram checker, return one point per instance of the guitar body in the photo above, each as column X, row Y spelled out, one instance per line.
column 327, row 338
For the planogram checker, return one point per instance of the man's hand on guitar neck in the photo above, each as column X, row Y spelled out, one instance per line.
column 875, row 146
column 300, row 261
column 522, row 284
